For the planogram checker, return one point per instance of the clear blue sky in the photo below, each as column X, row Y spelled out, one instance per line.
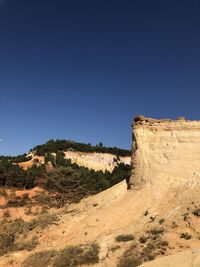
column 82, row 69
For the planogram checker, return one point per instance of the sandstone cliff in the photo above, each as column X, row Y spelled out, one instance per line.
column 165, row 151
column 162, row 217
column 96, row 161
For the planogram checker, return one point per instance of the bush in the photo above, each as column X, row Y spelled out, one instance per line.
column 8, row 234
column 77, row 255
column 156, row 231
column 42, row 199
column 196, row 212
column 10, row 231
column 6, row 214
column 17, row 202
column 164, row 243
column 28, row 245
column 161, row 221
column 186, row 236
column 43, row 220
column 130, row 258
column 130, row 261
column 39, row 259
column 147, row 249
column 124, row 238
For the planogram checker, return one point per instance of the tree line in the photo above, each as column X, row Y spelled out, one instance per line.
column 53, row 146
column 70, row 180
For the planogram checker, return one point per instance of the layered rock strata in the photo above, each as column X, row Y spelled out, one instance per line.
column 165, row 151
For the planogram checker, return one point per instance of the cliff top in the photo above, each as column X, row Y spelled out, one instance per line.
column 142, row 120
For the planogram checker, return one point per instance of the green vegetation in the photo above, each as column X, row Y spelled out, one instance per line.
column 148, row 248
column 77, row 256
column 161, row 221
column 42, row 221
column 12, row 175
column 17, row 159
column 69, row 181
column 129, row 258
column 9, row 230
column 12, row 230
column 196, row 212
column 186, row 236
column 42, row 259
column 124, row 238
column 73, row 182
column 53, row 146
column 68, row 257
column 156, row 231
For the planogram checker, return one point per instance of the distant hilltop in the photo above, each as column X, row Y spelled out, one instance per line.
column 72, row 170
column 96, row 157
column 69, row 145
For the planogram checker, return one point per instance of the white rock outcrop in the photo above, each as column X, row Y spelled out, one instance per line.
column 165, row 151
column 96, row 161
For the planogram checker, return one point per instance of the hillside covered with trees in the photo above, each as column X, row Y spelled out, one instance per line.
column 64, row 145
column 71, row 181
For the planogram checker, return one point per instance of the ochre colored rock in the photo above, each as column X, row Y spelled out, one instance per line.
column 165, row 151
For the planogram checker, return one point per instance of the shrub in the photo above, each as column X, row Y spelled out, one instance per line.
column 164, row 243
column 28, row 245
column 8, row 233
column 43, row 220
column 77, row 255
column 130, row 261
column 6, row 242
column 186, row 236
column 161, row 221
column 11, row 230
column 124, row 238
column 130, row 258
column 151, row 257
column 196, row 212
column 42, row 199
column 113, row 249
column 17, row 202
column 6, row 214
column 39, row 259
column 138, row 253
column 156, row 231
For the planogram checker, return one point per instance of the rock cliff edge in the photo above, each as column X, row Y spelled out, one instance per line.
column 165, row 151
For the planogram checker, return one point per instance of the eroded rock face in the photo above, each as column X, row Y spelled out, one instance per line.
column 165, row 151
column 96, row 161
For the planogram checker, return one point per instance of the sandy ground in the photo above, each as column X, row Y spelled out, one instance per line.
column 116, row 211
